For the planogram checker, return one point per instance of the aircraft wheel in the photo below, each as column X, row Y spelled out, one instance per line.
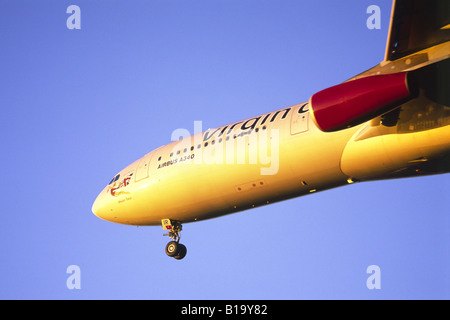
column 172, row 248
column 181, row 252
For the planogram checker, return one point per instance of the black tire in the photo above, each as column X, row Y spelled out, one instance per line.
column 182, row 250
column 172, row 248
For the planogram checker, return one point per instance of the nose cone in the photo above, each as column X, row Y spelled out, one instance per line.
column 100, row 207
column 96, row 207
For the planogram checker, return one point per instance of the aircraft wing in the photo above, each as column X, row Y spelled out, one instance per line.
column 416, row 25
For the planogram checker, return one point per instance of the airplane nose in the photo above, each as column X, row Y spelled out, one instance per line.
column 96, row 207
column 100, row 207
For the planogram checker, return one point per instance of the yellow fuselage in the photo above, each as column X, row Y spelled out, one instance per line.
column 281, row 155
column 222, row 171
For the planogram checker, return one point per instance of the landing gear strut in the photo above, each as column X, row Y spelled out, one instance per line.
column 174, row 248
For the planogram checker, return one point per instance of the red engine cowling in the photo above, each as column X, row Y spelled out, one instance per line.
column 354, row 102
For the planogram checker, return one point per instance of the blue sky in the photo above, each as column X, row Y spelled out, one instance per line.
column 79, row 105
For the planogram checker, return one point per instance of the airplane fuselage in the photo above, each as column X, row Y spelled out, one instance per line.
column 273, row 157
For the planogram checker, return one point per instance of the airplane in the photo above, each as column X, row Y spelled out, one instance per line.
column 391, row 121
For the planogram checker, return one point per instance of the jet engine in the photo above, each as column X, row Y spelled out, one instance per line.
column 354, row 102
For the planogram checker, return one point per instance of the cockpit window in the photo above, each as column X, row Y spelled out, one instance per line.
column 114, row 179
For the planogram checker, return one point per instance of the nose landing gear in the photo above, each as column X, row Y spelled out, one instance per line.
column 174, row 248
